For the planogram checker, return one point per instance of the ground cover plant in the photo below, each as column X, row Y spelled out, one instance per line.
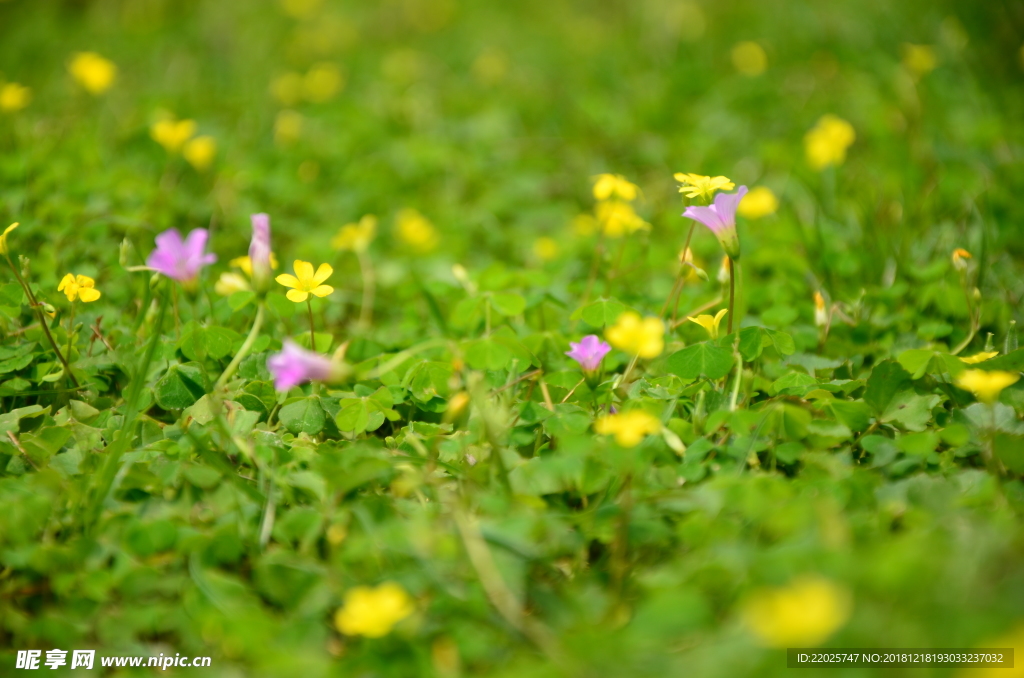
column 438, row 338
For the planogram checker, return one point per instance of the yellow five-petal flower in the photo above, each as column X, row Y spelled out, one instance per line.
column 79, row 287
column 699, row 186
column 305, row 282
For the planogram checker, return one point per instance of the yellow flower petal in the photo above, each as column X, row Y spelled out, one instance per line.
column 65, row 282
column 3, row 237
column 287, row 279
column 298, row 296
column 980, row 357
column 322, row 291
column 303, row 270
column 323, row 273
column 88, row 294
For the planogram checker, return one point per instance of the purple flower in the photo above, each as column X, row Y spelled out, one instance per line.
column 720, row 217
column 589, row 352
column 181, row 260
column 295, row 365
column 259, row 252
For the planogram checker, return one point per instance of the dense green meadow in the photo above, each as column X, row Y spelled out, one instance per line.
column 382, row 462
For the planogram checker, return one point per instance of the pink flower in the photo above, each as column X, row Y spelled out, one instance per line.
column 295, row 365
column 589, row 352
column 720, row 217
column 259, row 252
column 181, row 260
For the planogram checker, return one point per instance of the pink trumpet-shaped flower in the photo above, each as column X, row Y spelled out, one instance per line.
column 589, row 352
column 720, row 217
column 295, row 365
column 178, row 259
column 259, row 252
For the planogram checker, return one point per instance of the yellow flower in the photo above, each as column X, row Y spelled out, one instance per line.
column 245, row 263
column 710, row 323
column 644, row 337
column 416, row 231
column 171, row 134
column 986, row 385
column 373, row 612
column 749, row 58
column 356, row 237
column 306, row 282
column 79, row 287
column 229, row 283
column 614, row 186
column 919, row 59
column 803, row 614
column 980, row 357
column 629, row 428
column 759, row 202
column 3, row 238
column 1014, row 638
column 287, row 88
column 287, row 127
column 545, row 248
column 826, row 143
column 200, row 152
column 92, row 72
column 697, row 186
column 959, row 258
column 14, row 97
column 322, row 82
column 617, row 218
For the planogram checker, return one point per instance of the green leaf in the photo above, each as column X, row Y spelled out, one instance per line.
column 15, row 364
column 303, row 416
column 181, row 386
column 323, row 341
column 354, row 415
column 919, row 361
column 507, row 303
column 486, row 354
column 240, row 300
column 887, row 379
column 794, row 383
column 753, row 340
column 703, row 359
column 910, row 410
column 600, row 313
column 854, row 413
column 11, row 294
column 1009, row 448
column 198, row 342
column 44, row 443
column 1011, row 362
column 281, row 305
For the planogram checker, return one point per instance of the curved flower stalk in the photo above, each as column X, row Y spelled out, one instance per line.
column 720, row 217
column 37, row 307
column 356, row 238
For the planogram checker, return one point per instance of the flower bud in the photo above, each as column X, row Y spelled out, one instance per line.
column 259, row 253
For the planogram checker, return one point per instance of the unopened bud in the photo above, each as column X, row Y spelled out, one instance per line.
column 959, row 258
column 725, row 271
column 820, row 310
column 122, row 253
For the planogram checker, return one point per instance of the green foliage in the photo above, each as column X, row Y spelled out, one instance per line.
column 461, row 453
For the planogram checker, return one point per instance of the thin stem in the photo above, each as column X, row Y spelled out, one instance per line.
column 312, row 334
column 592, row 277
column 736, row 384
column 71, row 328
column 369, row 288
column 678, row 288
column 37, row 308
column 629, row 368
column 121, row 443
column 732, row 292
column 244, row 350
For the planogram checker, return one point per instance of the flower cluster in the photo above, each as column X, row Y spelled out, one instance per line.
column 614, row 211
column 177, row 136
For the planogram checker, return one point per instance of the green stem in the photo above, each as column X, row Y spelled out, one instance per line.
column 369, row 288
column 732, row 292
column 117, row 449
column 312, row 334
column 244, row 350
column 71, row 328
column 37, row 308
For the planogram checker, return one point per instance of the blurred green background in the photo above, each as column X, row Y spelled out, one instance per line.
column 490, row 119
